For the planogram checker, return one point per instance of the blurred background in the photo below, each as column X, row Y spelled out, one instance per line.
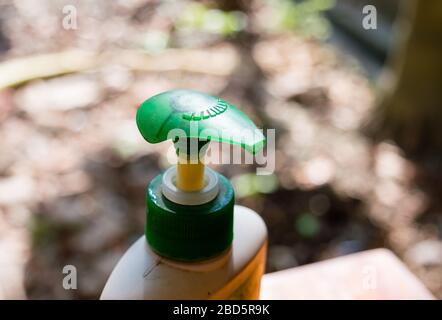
column 357, row 114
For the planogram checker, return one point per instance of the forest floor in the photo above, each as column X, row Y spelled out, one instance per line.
column 73, row 167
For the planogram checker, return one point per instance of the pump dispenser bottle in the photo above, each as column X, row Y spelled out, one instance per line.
column 198, row 244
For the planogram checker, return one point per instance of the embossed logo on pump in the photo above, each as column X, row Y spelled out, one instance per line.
column 210, row 112
column 197, row 107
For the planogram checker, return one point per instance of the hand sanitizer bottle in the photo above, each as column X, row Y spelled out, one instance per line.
column 198, row 244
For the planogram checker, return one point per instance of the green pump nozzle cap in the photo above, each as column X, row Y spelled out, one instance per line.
column 199, row 116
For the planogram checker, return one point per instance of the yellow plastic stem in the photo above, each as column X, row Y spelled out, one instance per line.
column 190, row 176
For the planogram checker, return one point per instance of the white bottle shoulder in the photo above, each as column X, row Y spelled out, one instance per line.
column 141, row 274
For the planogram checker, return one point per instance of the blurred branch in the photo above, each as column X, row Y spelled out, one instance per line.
column 218, row 61
column 20, row 70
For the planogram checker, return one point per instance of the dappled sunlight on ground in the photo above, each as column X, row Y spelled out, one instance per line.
column 73, row 167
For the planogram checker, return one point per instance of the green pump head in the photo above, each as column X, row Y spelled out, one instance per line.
column 216, row 119
column 183, row 225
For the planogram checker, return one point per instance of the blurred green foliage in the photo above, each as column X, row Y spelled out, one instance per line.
column 307, row 225
column 200, row 17
column 305, row 17
column 249, row 184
